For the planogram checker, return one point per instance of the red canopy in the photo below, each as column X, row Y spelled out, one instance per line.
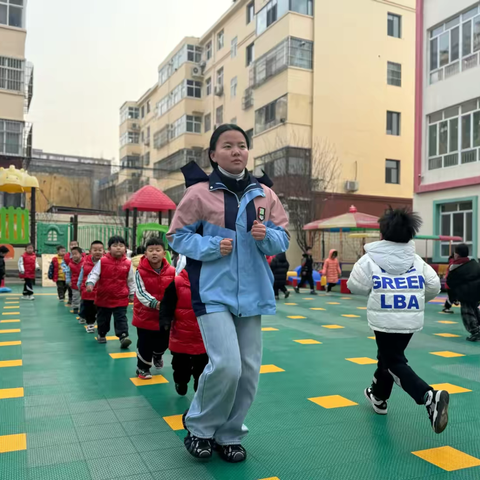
column 150, row 199
column 346, row 222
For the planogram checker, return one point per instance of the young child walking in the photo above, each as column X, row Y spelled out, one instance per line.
column 3, row 251
column 280, row 267
column 189, row 357
column 306, row 273
column 152, row 277
column 399, row 284
column 332, row 270
column 113, row 275
column 88, row 298
column 27, row 266
column 75, row 265
column 447, row 307
column 464, row 281
column 60, row 273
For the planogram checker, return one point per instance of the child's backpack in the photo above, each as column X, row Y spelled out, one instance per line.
column 50, row 271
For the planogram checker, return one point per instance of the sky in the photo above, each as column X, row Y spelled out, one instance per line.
column 90, row 56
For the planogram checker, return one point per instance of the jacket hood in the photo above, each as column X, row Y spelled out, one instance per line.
column 330, row 254
column 394, row 258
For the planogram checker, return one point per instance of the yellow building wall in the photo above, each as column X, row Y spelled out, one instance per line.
column 12, row 42
column 11, row 105
column 351, row 95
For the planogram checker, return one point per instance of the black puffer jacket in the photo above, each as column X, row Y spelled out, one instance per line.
column 280, row 268
column 464, row 281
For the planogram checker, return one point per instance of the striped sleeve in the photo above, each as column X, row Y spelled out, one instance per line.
column 143, row 296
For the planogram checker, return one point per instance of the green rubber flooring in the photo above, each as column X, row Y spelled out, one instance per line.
column 69, row 411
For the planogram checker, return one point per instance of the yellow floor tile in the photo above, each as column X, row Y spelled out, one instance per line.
column 124, row 355
column 290, row 303
column 308, row 342
column 11, row 303
column 351, row 316
column 448, row 458
column 447, row 335
column 362, row 360
column 447, row 354
column 308, row 298
column 333, row 303
column 450, row 388
column 13, row 330
column 270, row 369
column 11, row 393
column 10, row 321
column 345, row 298
column 156, row 380
column 175, row 422
column 9, row 344
column 269, row 329
column 333, row 401
column 11, row 313
column 361, row 308
column 13, row 443
column 332, row 327
column 447, row 322
column 296, row 317
column 109, row 338
column 11, row 307
column 11, row 363
column 372, row 338
column 270, row 478
column 319, row 309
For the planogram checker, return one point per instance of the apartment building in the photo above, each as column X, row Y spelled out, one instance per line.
column 447, row 134
column 317, row 86
column 16, row 89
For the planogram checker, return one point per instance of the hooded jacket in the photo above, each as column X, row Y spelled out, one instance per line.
column 240, row 282
column 280, row 268
column 331, row 268
column 464, row 280
column 398, row 283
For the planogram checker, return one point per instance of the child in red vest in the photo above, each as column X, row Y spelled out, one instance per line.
column 113, row 275
column 27, row 265
column 152, row 277
column 59, row 272
column 88, row 298
column 186, row 343
column 75, row 265
column 68, row 258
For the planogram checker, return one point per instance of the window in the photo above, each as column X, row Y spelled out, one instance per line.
column 394, row 25
column 392, row 172
column 286, row 161
column 272, row 12
column 454, row 136
column 456, row 219
column 250, row 12
column 11, row 138
column 233, row 87
column 233, row 47
column 126, row 113
column 11, row 13
column 208, row 122
column 220, row 76
column 194, row 89
column 300, row 53
column 219, row 115
column 194, row 124
column 130, row 161
column 146, row 159
column 271, row 114
column 129, row 137
column 143, row 112
column 250, row 54
column 455, row 45
column 175, row 162
column 208, row 51
column 190, row 53
column 185, row 124
column 250, row 138
column 393, row 123
column 208, row 86
column 194, row 53
column 220, row 40
column 11, row 74
column 305, row 7
column 148, row 107
column 161, row 137
column 394, row 74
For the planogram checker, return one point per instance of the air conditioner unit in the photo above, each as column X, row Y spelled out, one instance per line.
column 351, row 186
column 218, row 91
column 197, row 71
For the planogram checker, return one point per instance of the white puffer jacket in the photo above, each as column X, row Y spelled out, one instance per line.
column 398, row 283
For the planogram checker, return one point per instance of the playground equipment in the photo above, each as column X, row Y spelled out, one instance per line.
column 143, row 231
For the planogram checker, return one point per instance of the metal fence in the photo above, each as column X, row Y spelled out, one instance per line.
column 88, row 233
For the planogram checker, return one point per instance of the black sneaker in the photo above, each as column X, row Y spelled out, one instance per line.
column 447, row 310
column 277, row 297
column 437, row 408
column 231, row 453
column 287, row 294
column 475, row 337
column 297, row 290
column 101, row 339
column 144, row 374
column 313, row 292
column 125, row 342
column 181, row 388
column 197, row 447
column 158, row 361
column 379, row 406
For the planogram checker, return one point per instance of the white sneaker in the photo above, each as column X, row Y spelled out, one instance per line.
column 31, row 297
column 379, row 406
column 82, row 321
column 25, row 297
column 90, row 329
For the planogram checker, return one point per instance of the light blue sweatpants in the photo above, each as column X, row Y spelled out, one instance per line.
column 229, row 382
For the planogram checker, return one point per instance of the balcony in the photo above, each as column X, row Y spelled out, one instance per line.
column 174, row 162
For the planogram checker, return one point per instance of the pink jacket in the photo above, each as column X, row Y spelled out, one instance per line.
column 331, row 268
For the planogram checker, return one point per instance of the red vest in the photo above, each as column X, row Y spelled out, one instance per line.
column 75, row 269
column 68, row 257
column 185, row 336
column 155, row 284
column 29, row 265
column 87, row 268
column 112, row 288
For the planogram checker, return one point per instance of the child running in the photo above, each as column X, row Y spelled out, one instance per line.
column 332, row 270
column 280, row 266
column 113, row 275
column 88, row 298
column 306, row 272
column 152, row 277
column 75, row 265
column 27, row 265
column 398, row 283
column 464, row 281
column 59, row 272
column 186, row 344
